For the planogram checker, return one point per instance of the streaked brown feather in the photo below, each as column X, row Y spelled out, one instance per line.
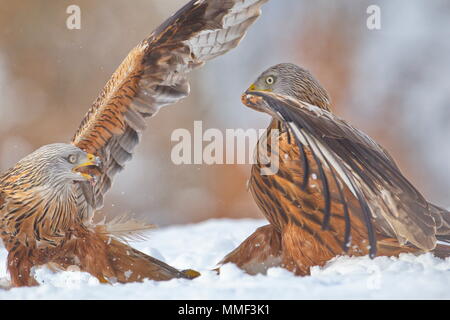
column 131, row 265
column 368, row 168
column 360, row 178
column 259, row 252
column 298, row 212
column 125, row 228
column 2, row 200
column 154, row 74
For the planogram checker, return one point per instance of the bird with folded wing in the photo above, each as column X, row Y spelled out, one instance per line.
column 336, row 190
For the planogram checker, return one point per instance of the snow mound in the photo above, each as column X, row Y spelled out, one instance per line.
column 200, row 246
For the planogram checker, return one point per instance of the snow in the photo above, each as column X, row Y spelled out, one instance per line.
column 200, row 246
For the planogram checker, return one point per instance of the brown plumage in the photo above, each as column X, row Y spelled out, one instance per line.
column 48, row 199
column 336, row 190
column 153, row 75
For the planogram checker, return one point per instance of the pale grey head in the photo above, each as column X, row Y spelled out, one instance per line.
column 291, row 80
column 55, row 164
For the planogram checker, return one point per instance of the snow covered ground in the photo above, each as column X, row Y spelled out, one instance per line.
column 201, row 246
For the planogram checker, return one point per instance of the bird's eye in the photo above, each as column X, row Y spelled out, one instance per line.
column 270, row 80
column 72, row 158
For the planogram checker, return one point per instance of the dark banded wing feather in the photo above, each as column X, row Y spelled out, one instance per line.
column 294, row 194
column 389, row 202
column 154, row 74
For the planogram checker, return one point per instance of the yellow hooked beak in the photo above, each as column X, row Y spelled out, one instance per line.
column 253, row 88
column 90, row 160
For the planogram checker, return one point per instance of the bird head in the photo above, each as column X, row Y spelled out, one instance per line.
column 61, row 163
column 291, row 80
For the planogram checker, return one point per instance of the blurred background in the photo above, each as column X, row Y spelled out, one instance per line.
column 393, row 83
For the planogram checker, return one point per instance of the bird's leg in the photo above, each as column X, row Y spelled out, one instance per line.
column 132, row 265
column 259, row 252
column 19, row 267
column 110, row 260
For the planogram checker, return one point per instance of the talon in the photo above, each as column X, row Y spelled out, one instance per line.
column 191, row 274
column 102, row 279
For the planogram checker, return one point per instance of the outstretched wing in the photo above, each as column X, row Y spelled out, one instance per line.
column 388, row 201
column 154, row 74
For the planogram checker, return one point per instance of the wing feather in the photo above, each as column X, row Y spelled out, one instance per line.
column 301, row 136
column 154, row 74
column 388, row 200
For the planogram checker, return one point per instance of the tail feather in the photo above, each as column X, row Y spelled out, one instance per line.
column 124, row 227
column 445, row 239
column 442, row 251
column 442, row 220
column 131, row 265
column 111, row 260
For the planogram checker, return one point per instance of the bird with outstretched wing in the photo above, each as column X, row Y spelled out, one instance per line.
column 47, row 200
column 336, row 190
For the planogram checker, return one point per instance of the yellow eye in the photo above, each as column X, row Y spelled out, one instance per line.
column 270, row 80
column 72, row 158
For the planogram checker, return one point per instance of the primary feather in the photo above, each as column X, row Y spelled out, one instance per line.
column 154, row 74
